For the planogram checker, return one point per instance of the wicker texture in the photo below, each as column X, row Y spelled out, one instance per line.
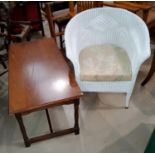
column 108, row 26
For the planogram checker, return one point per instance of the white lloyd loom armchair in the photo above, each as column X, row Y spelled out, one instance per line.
column 107, row 47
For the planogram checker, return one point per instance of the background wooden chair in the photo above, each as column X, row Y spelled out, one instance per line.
column 16, row 26
column 9, row 31
column 82, row 6
column 17, row 21
column 61, row 19
column 57, row 16
column 30, row 12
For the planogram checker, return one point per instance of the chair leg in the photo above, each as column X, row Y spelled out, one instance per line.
column 61, row 41
column 40, row 17
column 151, row 72
column 127, row 100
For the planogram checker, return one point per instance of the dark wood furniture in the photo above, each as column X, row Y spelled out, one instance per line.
column 82, row 6
column 20, row 19
column 12, row 30
column 39, row 78
column 30, row 12
column 57, row 19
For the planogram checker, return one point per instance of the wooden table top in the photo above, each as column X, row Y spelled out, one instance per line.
column 39, row 77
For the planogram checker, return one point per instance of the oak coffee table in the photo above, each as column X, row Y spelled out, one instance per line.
column 40, row 78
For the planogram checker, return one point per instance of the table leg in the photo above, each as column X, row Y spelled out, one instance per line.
column 76, row 116
column 49, row 121
column 23, row 130
column 28, row 141
column 151, row 72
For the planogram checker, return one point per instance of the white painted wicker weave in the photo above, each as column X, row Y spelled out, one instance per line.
column 108, row 25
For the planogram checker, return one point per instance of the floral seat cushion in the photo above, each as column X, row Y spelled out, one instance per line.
column 105, row 62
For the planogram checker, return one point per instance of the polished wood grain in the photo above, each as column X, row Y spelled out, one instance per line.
column 141, row 5
column 39, row 77
column 123, row 6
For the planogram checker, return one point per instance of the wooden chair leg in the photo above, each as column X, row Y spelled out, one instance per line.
column 60, row 37
column 151, row 72
column 41, row 22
